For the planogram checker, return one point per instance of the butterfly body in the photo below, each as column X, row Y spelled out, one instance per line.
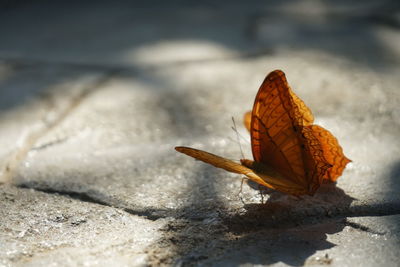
column 290, row 154
column 274, row 179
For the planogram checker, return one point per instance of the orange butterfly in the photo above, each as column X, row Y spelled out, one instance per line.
column 291, row 155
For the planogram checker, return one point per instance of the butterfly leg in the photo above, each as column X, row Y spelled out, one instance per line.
column 241, row 188
column 261, row 191
column 298, row 198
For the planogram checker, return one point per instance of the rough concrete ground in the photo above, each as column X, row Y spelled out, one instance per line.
column 94, row 97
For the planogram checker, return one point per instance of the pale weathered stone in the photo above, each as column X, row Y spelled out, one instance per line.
column 51, row 229
column 33, row 99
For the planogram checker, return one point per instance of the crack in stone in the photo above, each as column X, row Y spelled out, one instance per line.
column 362, row 228
column 82, row 196
column 150, row 213
column 254, row 224
column 49, row 144
column 125, row 67
column 375, row 210
column 17, row 62
column 28, row 141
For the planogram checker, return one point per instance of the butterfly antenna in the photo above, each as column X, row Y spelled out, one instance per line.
column 237, row 132
column 237, row 137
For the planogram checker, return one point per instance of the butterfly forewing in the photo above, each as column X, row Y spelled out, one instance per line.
column 225, row 164
column 280, row 137
column 274, row 139
column 212, row 159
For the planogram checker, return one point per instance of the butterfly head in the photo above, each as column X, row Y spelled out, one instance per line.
column 247, row 163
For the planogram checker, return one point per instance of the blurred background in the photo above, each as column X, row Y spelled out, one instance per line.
column 138, row 33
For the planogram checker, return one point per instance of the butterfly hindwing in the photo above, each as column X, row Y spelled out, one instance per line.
column 247, row 120
column 332, row 151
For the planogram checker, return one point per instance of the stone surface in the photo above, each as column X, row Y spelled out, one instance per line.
column 32, row 99
column 100, row 99
column 51, row 229
column 367, row 240
column 136, row 155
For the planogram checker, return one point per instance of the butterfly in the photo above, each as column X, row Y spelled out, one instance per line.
column 291, row 154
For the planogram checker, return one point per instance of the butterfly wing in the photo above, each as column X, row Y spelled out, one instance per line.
column 302, row 112
column 315, row 164
column 247, row 120
column 223, row 163
column 280, row 136
column 274, row 140
column 332, row 151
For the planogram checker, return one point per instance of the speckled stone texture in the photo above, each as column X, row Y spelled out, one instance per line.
column 94, row 97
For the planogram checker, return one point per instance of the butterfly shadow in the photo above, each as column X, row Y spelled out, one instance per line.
column 287, row 229
column 395, row 177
